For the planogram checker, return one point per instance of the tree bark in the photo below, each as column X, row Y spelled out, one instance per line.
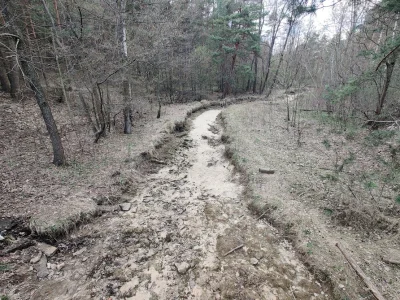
column 23, row 58
column 34, row 83
column 389, row 71
column 57, row 13
column 54, row 38
column 127, row 109
column 269, row 58
column 291, row 23
column 4, row 82
column 124, row 56
column 13, row 71
column 255, row 73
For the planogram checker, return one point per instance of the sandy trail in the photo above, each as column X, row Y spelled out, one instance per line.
column 172, row 243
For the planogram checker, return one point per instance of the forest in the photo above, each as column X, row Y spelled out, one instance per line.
column 104, row 56
column 105, row 104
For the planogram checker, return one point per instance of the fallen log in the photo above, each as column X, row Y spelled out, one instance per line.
column 266, row 171
column 316, row 110
column 374, row 290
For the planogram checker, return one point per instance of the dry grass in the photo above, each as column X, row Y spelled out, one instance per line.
column 330, row 185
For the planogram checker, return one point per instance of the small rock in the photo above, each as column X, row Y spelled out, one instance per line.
column 36, row 259
column 60, row 266
column 259, row 255
column 341, row 286
column 254, row 261
column 166, row 236
column 41, row 267
column 150, row 253
column 119, row 274
column 125, row 206
column 51, row 266
column 48, row 250
column 116, row 173
column 128, row 288
column 182, row 268
column 84, row 259
column 79, row 252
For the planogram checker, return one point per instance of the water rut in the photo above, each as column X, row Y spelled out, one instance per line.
column 173, row 243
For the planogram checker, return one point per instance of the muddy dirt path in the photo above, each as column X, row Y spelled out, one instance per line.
column 174, row 242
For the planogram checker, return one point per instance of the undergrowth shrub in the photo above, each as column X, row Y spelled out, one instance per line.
column 377, row 137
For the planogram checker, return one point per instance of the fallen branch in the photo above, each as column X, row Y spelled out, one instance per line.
column 265, row 171
column 373, row 122
column 156, row 161
column 181, row 134
column 316, row 110
column 361, row 273
column 233, row 250
column 262, row 215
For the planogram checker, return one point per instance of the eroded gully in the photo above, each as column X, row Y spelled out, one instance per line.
column 173, row 243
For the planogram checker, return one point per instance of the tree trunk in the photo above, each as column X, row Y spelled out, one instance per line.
column 13, row 71
column 87, row 113
column 54, row 38
column 255, row 73
column 30, row 75
column 127, row 109
column 124, row 56
column 4, row 82
column 291, row 23
column 34, row 83
column 256, row 53
column 389, row 71
column 269, row 58
column 57, row 13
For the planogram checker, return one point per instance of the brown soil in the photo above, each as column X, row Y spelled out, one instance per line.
column 49, row 199
column 330, row 185
column 173, row 242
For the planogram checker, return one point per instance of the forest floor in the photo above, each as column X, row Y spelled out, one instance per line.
column 333, row 183
column 40, row 197
column 186, row 233
column 184, row 230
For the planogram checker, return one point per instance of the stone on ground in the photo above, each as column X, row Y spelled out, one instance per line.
column 254, row 261
column 48, row 250
column 41, row 267
column 125, row 206
column 182, row 268
column 37, row 258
